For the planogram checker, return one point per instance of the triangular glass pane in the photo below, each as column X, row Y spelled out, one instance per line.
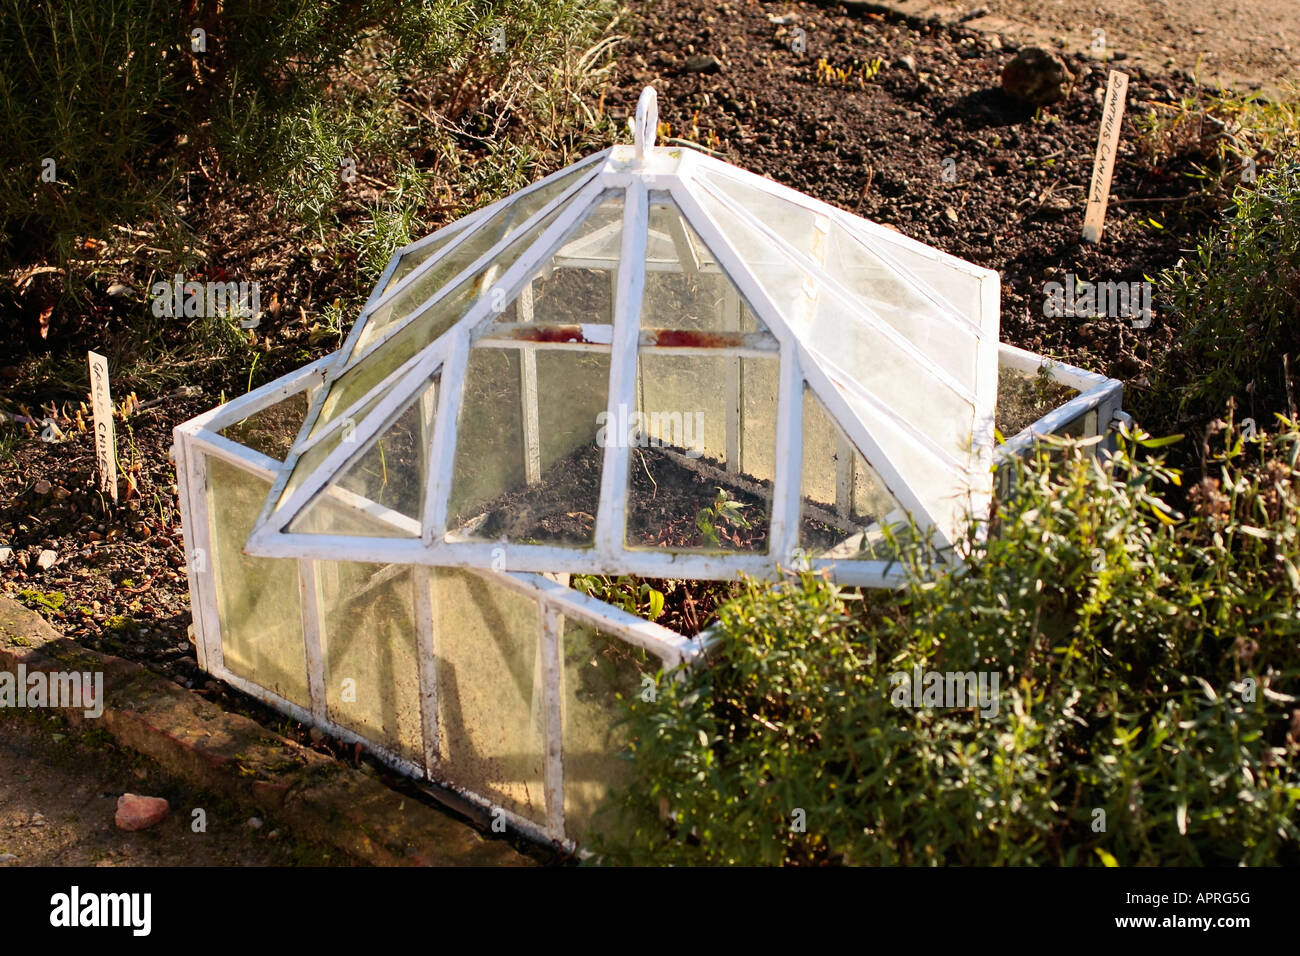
column 477, row 240
column 382, row 488
column 309, row 460
column 845, row 504
column 576, row 285
column 685, row 289
column 272, row 430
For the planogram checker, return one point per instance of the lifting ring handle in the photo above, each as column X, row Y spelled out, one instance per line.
column 647, row 122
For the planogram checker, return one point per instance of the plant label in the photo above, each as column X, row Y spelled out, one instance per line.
column 1112, row 117
column 101, row 403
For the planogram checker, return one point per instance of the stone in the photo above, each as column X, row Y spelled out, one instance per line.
column 7, row 857
column 139, row 813
column 1037, row 77
column 47, row 559
column 702, row 63
column 908, row 63
column 6, row 555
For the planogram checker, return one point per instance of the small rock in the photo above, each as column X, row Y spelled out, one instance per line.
column 120, row 289
column 47, row 559
column 702, row 63
column 42, row 487
column 255, row 823
column 784, row 20
column 6, row 555
column 37, row 820
column 7, row 857
column 950, row 213
column 908, row 63
column 1037, row 77
column 139, row 813
column 974, row 15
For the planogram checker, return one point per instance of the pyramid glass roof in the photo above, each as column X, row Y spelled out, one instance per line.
column 651, row 362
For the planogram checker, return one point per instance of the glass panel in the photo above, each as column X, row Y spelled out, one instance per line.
column 852, row 341
column 473, row 244
column 311, row 459
column 684, row 287
column 956, row 288
column 257, row 598
column 407, row 262
column 844, row 501
column 528, row 464
column 425, row 324
column 795, row 224
column 853, row 258
column 487, row 640
column 868, row 278
column 388, row 479
column 684, row 492
column 599, row 671
column 368, row 643
column 1024, row 398
column 272, row 430
column 576, row 285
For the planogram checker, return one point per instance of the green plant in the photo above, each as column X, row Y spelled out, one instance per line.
column 626, row 592
column 723, row 509
column 1235, row 307
column 1226, row 139
column 1147, row 663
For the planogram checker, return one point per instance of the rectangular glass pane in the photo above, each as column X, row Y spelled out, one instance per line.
column 599, row 669
column 487, row 641
column 368, row 642
column 685, row 494
column 258, row 600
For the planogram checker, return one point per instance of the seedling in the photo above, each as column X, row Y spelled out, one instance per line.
column 724, row 508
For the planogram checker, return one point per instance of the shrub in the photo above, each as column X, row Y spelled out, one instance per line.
column 133, row 117
column 1144, row 663
column 1235, row 306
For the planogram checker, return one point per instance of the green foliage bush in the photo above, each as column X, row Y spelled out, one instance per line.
column 113, row 93
column 1235, row 306
column 1125, row 636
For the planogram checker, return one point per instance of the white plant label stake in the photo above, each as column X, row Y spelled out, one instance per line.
column 1112, row 117
column 101, row 403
